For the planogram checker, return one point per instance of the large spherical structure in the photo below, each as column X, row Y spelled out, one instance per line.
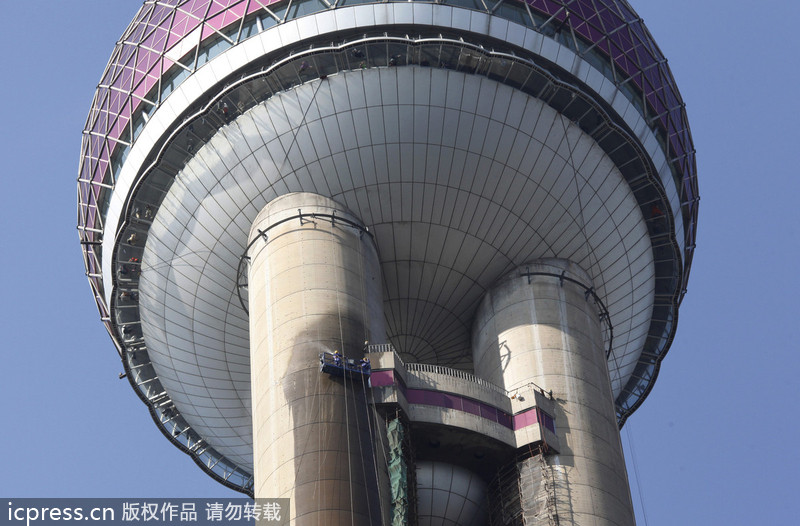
column 471, row 138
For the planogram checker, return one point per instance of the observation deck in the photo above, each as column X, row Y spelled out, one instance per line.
column 431, row 394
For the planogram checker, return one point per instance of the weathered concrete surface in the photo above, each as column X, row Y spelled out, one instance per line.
column 314, row 286
column 533, row 328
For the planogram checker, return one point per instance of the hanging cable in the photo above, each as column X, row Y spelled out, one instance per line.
column 344, row 382
column 360, row 444
column 364, row 386
column 297, row 129
column 636, row 471
column 590, row 254
column 369, row 412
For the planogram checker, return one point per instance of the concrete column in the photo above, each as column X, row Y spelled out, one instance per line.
column 314, row 286
column 535, row 329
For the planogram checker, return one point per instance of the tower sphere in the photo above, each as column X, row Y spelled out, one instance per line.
column 469, row 137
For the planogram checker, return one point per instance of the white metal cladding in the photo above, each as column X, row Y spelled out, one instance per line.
column 422, row 155
column 449, row 494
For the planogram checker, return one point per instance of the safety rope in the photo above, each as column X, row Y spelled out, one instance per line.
column 364, row 386
column 636, row 471
column 590, row 253
column 571, row 162
column 360, row 445
column 371, row 420
column 344, row 382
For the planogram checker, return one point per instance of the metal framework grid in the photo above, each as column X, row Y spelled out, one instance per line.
column 140, row 61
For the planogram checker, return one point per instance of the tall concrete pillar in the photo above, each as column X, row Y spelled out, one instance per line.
column 314, row 287
column 535, row 327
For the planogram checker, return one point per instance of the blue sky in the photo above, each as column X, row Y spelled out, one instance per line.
column 716, row 441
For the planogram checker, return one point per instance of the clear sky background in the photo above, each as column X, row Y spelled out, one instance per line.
column 716, row 442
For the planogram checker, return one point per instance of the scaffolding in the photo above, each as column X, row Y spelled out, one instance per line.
column 523, row 493
column 402, row 472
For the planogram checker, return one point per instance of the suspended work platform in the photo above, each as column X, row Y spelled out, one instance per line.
column 335, row 364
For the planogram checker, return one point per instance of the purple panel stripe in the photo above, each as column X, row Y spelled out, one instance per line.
column 525, row 419
column 459, row 403
column 381, row 378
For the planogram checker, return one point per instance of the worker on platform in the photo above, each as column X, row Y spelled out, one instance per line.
column 337, row 357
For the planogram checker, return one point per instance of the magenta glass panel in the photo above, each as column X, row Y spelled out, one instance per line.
column 581, row 10
column 548, row 421
column 451, row 401
column 524, row 419
column 150, row 40
column 217, row 6
column 92, row 172
column 252, row 7
column 238, row 10
column 627, row 14
column 416, row 396
column 105, row 155
column 657, row 102
column 433, row 398
column 579, row 26
column 145, row 60
column 197, row 8
column 150, row 80
column 125, row 77
column 138, row 32
column 488, row 412
column 102, row 166
column 217, row 22
column 381, row 378
column 126, row 52
column 629, row 67
column 102, row 126
column 653, row 78
column 208, row 31
column 548, row 6
column 88, row 169
column 641, row 36
column 609, row 20
column 94, row 145
column 115, row 129
column 173, row 39
column 672, row 101
column 161, row 13
column 119, row 126
column 191, row 25
column 471, row 406
column 180, row 28
column 83, row 198
column 234, row 13
column 623, row 39
column 592, row 33
column 505, row 420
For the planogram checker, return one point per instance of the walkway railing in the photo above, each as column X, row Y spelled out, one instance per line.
column 455, row 373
